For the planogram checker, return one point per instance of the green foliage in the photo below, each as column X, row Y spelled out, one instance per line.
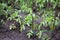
column 12, row 7
column 28, row 19
column 55, row 3
column 45, row 37
column 50, row 20
column 14, row 15
column 39, row 34
column 22, row 28
column 2, row 6
column 30, row 33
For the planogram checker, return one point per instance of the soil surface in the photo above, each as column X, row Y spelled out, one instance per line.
column 6, row 34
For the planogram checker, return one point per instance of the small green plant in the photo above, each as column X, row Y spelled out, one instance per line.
column 30, row 33
column 45, row 37
column 13, row 16
column 50, row 20
column 16, row 17
column 22, row 28
column 39, row 34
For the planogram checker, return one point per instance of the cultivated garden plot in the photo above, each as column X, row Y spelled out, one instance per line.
column 29, row 19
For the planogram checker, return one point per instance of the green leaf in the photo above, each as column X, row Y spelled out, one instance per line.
column 39, row 34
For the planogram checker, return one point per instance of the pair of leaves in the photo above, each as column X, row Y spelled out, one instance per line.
column 30, row 33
